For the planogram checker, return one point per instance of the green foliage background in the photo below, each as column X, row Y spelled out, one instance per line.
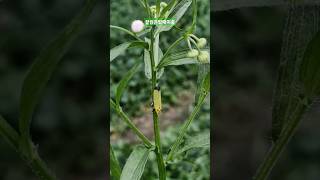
column 174, row 82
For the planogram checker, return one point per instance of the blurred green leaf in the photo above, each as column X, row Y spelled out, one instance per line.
column 45, row 64
column 114, row 165
column 134, row 167
column 118, row 50
column 199, row 141
column 124, row 82
column 9, row 134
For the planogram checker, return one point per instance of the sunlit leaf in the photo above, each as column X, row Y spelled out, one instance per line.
column 134, row 167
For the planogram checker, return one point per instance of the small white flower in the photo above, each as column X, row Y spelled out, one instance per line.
column 137, row 26
column 203, row 57
column 193, row 53
column 202, row 42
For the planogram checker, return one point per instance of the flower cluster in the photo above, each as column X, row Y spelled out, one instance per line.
column 199, row 43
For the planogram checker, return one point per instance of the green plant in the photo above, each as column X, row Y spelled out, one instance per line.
column 32, row 89
column 155, row 62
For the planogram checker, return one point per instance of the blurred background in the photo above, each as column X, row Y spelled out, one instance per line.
column 70, row 123
column 178, row 86
column 247, row 44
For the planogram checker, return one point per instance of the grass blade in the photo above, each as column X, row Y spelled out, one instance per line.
column 135, row 164
column 45, row 64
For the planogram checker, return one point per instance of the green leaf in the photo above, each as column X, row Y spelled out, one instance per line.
column 287, row 90
column 147, row 61
column 179, row 58
column 9, row 134
column 124, row 82
column 205, row 88
column 45, row 64
column 199, row 141
column 176, row 14
column 134, row 167
column 118, row 50
column 114, row 165
column 126, row 31
column 169, row 8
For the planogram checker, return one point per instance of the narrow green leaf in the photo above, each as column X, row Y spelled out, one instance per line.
column 176, row 14
column 124, row 82
column 134, row 167
column 179, row 58
column 114, row 165
column 169, row 8
column 147, row 61
column 126, row 31
column 9, row 134
column 199, row 141
column 194, row 16
column 161, row 71
column 118, row 50
column 45, row 64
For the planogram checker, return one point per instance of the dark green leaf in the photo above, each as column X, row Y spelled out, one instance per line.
column 45, row 64
column 124, row 82
column 9, row 134
column 135, row 164
column 147, row 61
column 114, row 165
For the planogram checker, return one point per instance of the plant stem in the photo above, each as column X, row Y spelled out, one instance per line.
column 184, row 128
column 119, row 111
column 158, row 150
column 39, row 167
column 277, row 148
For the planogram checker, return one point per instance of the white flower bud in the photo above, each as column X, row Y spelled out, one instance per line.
column 192, row 53
column 137, row 26
column 202, row 42
column 203, row 57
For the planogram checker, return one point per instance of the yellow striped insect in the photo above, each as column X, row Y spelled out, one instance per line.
column 157, row 100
